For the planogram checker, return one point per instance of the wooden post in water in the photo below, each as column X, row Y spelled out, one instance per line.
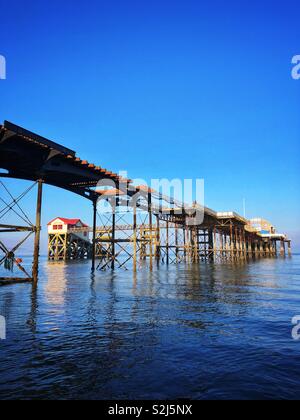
column 167, row 243
column 35, row 268
column 244, row 243
column 94, row 235
column 247, row 246
column 215, row 246
column 236, row 243
column 192, row 244
column 250, row 246
column 269, row 249
column 210, row 245
column 157, row 248
column 239, row 243
column 176, row 243
column 113, row 238
column 261, row 248
column 184, row 244
column 231, row 243
column 273, row 248
column 290, row 248
column 134, row 239
column 195, row 244
column 221, row 245
column 227, row 247
column 257, row 250
column 151, row 230
column 282, row 248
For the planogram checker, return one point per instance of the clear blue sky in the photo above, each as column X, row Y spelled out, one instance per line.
column 163, row 89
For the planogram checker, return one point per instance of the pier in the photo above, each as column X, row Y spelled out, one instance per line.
column 224, row 239
column 154, row 230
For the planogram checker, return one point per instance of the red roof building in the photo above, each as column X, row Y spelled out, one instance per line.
column 69, row 222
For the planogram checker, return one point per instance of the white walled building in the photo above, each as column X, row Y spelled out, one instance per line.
column 61, row 225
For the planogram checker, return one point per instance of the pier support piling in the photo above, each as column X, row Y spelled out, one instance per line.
column 113, row 238
column 37, row 238
column 289, row 249
column 282, row 248
column 151, row 231
column 167, row 243
column 94, row 235
column 134, row 239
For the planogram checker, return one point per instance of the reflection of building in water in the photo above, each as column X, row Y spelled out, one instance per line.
column 56, row 285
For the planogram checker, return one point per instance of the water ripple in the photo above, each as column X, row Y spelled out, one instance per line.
column 179, row 332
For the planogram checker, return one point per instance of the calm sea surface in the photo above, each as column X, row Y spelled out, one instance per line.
column 180, row 332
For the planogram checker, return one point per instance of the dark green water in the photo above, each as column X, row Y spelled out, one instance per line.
column 180, row 332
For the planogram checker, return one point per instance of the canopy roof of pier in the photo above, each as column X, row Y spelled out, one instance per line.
column 25, row 155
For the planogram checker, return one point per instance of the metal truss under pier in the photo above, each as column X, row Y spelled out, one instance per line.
column 155, row 240
column 12, row 205
column 68, row 246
